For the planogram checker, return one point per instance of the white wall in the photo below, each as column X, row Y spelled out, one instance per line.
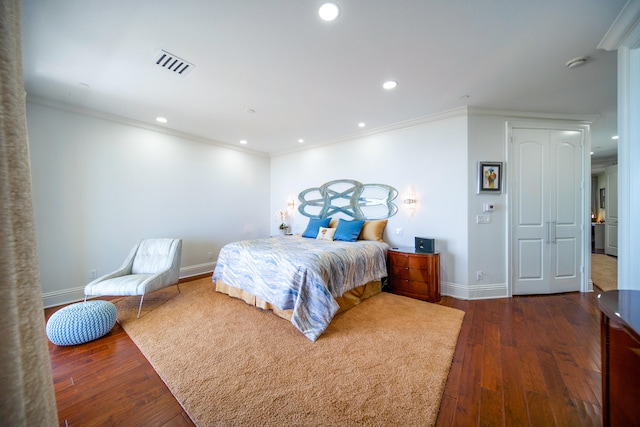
column 429, row 160
column 437, row 161
column 488, row 242
column 629, row 164
column 99, row 186
column 624, row 35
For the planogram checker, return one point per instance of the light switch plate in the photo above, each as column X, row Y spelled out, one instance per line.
column 483, row 219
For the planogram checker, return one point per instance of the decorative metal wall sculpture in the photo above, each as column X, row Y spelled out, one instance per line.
column 351, row 198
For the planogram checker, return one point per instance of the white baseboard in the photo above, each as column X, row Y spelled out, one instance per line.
column 472, row 292
column 66, row 296
column 198, row 269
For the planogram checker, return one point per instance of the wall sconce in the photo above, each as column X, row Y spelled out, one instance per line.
column 291, row 204
column 410, row 202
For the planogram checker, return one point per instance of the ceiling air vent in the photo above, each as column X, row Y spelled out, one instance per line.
column 171, row 62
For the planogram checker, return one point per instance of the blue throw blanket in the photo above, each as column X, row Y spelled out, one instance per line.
column 300, row 274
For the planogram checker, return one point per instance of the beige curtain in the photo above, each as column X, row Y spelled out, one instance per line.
column 26, row 385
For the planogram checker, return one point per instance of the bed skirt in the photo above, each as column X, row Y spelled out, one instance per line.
column 345, row 302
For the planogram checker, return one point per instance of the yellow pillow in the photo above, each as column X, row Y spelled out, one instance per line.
column 373, row 230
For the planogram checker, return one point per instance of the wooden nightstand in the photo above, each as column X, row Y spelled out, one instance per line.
column 414, row 274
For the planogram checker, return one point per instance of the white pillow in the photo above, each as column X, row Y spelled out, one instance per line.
column 325, row 233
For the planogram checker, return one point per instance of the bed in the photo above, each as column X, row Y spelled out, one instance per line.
column 307, row 281
column 332, row 266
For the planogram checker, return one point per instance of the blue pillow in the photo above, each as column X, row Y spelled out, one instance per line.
column 314, row 225
column 348, row 231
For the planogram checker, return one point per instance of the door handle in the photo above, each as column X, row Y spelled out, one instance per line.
column 548, row 231
column 551, row 224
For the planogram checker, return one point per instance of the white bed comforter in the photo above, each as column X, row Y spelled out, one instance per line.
column 301, row 274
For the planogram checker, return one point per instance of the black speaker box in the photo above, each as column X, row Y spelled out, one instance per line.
column 425, row 245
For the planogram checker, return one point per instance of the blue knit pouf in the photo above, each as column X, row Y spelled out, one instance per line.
column 81, row 322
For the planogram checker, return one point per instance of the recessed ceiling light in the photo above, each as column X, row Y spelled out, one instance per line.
column 391, row 84
column 361, row 124
column 614, row 137
column 161, row 120
column 592, row 153
column 243, row 141
column 329, row 11
column 301, row 140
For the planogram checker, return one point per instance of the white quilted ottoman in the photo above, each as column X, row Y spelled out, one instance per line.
column 81, row 322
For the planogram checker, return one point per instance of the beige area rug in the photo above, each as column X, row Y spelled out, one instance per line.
column 384, row 362
column 604, row 271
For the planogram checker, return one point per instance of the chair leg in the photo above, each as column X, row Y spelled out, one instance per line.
column 140, row 308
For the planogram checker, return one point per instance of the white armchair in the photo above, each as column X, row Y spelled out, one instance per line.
column 151, row 265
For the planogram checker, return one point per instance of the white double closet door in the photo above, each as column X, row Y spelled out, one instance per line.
column 546, row 210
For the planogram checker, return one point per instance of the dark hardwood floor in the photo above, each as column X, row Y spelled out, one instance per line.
column 526, row 361
column 108, row 382
column 519, row 361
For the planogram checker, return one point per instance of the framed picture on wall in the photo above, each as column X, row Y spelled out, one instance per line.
column 490, row 177
column 602, row 198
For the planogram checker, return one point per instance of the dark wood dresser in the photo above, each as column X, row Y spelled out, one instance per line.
column 414, row 274
column 620, row 336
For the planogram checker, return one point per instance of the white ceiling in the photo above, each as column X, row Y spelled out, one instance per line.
column 306, row 78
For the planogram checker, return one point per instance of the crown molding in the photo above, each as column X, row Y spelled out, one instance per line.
column 533, row 115
column 418, row 121
column 136, row 123
column 625, row 30
column 586, row 119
